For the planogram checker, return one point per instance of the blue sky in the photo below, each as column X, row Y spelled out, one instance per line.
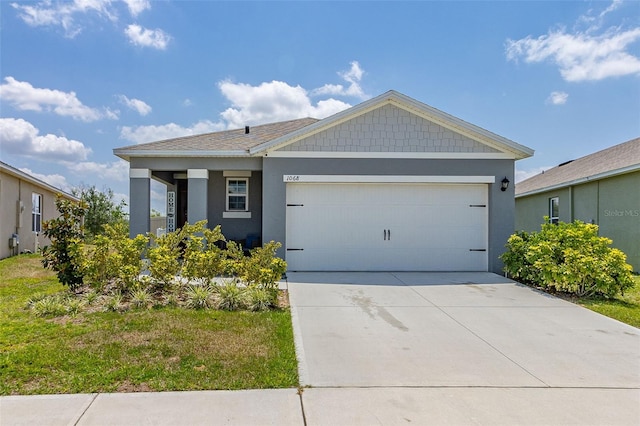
column 79, row 78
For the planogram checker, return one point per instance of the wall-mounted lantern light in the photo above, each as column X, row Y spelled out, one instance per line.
column 505, row 184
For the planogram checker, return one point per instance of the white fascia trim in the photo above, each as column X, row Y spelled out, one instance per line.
column 385, row 179
column 236, row 173
column 140, row 173
column 419, row 155
column 197, row 174
column 236, row 215
column 603, row 175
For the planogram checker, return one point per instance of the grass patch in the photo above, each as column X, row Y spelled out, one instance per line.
column 623, row 308
column 160, row 349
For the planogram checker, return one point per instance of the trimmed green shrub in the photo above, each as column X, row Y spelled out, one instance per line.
column 115, row 258
column 262, row 267
column 568, row 257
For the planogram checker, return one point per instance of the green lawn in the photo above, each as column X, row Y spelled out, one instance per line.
column 140, row 350
column 623, row 308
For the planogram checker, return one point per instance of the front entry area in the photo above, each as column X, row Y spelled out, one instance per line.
column 387, row 227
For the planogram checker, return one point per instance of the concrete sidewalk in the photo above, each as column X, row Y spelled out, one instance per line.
column 331, row 406
column 250, row 407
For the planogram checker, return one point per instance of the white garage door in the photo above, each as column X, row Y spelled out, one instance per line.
column 386, row 227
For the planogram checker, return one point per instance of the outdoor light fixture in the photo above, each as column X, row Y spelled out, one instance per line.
column 505, row 184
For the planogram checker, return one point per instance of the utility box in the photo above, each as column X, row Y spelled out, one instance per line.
column 14, row 241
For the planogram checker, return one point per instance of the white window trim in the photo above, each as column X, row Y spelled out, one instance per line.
column 37, row 214
column 551, row 216
column 227, row 195
column 236, row 215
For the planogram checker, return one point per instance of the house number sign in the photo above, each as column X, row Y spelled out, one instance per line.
column 171, row 211
column 292, row 178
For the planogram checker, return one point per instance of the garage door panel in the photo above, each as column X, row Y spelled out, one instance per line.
column 392, row 227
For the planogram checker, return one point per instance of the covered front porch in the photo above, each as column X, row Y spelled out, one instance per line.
column 221, row 194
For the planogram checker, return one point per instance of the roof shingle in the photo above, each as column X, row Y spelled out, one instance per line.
column 609, row 160
column 228, row 140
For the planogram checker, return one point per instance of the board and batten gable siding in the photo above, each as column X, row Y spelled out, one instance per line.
column 500, row 204
column 388, row 129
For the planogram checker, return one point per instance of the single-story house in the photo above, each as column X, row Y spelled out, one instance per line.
column 602, row 188
column 25, row 203
column 390, row 184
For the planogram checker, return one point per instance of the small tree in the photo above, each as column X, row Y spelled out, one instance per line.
column 64, row 255
column 101, row 209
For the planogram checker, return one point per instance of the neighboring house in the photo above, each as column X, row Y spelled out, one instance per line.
column 602, row 188
column 25, row 203
column 390, row 184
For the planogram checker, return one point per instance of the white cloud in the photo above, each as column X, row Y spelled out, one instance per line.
column 353, row 77
column 135, row 104
column 47, row 13
column 522, row 175
column 145, row 37
column 142, row 134
column 137, row 6
column 267, row 102
column 21, row 137
column 23, row 96
column 55, row 180
column 187, row 102
column 66, row 14
column 115, row 171
column 588, row 55
column 271, row 102
column 558, row 98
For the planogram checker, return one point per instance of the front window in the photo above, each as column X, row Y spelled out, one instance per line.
column 36, row 212
column 554, row 210
column 237, row 195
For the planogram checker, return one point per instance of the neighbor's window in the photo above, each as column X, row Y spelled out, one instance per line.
column 36, row 212
column 237, row 194
column 554, row 210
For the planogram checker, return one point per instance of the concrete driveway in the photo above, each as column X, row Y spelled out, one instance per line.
column 410, row 344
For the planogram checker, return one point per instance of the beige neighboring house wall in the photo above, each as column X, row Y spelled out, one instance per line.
column 17, row 190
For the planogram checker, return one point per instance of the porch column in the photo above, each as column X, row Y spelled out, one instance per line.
column 198, row 187
column 139, row 201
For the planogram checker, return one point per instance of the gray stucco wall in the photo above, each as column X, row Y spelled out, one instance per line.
column 501, row 204
column 612, row 203
column 235, row 229
column 139, row 206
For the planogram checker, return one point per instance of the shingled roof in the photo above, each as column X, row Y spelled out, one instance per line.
column 618, row 159
column 229, row 142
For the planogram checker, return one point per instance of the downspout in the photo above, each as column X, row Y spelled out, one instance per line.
column 571, row 218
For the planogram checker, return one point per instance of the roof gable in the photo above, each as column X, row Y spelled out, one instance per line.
column 618, row 159
column 409, row 116
column 388, row 129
